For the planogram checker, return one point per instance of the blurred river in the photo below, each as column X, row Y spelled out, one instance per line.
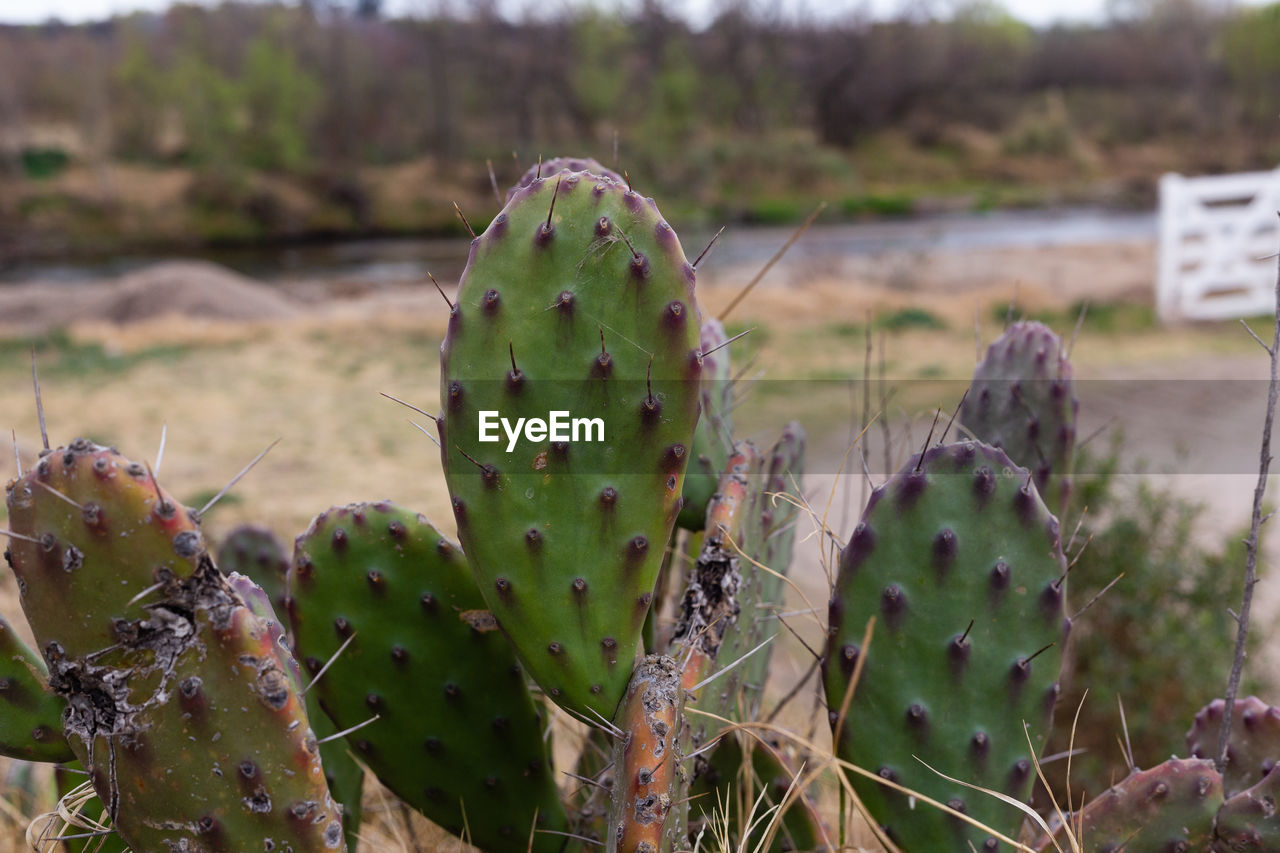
column 401, row 260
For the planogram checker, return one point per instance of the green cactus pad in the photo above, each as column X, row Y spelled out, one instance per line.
column 1254, row 745
column 162, row 666
column 1167, row 809
column 770, row 538
column 256, row 553
column 30, row 713
column 556, row 165
column 343, row 775
column 585, row 308
column 1249, row 820
column 959, row 536
column 1022, row 400
column 457, row 728
column 714, row 436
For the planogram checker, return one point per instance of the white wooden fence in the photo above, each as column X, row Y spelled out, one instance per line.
column 1215, row 235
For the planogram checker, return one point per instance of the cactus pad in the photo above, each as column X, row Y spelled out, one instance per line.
column 457, row 729
column 30, row 713
column 1254, row 745
column 1167, row 809
column 585, row 307
column 960, row 564
column 556, row 165
column 162, row 666
column 256, row 553
column 714, row 436
column 1022, row 400
column 1248, row 821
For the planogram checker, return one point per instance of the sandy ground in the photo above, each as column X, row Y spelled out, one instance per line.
column 230, row 365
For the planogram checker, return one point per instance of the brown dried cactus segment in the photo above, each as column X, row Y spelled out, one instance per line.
column 647, row 760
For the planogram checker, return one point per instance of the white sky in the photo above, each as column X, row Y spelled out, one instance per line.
column 1035, row 12
column 73, row 11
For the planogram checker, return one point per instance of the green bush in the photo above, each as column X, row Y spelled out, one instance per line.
column 1161, row 639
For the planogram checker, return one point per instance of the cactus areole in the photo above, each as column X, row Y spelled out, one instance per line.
column 577, row 298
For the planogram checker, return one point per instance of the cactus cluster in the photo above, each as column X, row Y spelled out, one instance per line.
column 234, row 705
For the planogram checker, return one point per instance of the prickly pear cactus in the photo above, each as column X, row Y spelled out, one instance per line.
column 556, row 165
column 457, row 734
column 577, row 299
column 344, row 777
column 713, row 439
column 162, row 665
column 1254, row 745
column 30, row 713
column 1023, row 401
column 256, row 553
column 959, row 563
column 1167, row 808
column 1248, row 821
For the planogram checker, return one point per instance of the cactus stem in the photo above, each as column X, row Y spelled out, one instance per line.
column 342, row 648
column 703, row 253
column 245, row 470
column 463, row 217
column 440, row 290
column 35, row 384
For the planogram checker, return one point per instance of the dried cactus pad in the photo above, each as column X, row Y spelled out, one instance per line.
column 457, row 732
column 162, row 666
column 576, row 299
column 959, row 563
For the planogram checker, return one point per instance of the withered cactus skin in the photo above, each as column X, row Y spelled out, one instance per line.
column 179, row 700
column 647, row 760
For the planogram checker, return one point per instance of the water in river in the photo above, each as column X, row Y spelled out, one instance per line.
column 399, row 260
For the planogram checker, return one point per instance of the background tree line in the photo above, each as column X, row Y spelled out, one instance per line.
column 753, row 102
